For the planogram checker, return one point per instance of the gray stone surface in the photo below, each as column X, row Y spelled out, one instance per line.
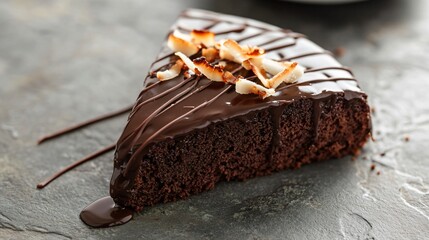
column 65, row 61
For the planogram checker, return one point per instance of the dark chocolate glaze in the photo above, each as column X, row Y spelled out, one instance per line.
column 105, row 213
column 276, row 113
column 173, row 108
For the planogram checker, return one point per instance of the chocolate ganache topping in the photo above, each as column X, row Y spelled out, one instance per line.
column 167, row 109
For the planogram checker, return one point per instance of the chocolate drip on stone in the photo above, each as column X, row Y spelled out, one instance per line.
column 85, row 159
column 105, row 213
column 84, row 124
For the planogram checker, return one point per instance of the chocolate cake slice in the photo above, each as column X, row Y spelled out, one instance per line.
column 189, row 130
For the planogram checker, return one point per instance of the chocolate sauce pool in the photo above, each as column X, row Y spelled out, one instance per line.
column 105, row 213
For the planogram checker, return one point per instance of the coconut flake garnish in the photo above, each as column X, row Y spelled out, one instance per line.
column 171, row 73
column 287, row 72
column 213, row 58
column 187, row 61
column 214, row 73
column 203, row 37
column 210, row 53
column 179, row 44
column 244, row 86
column 231, row 50
column 275, row 67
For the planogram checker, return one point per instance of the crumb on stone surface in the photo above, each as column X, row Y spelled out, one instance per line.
column 378, row 172
column 339, row 51
column 372, row 167
column 406, row 138
column 357, row 153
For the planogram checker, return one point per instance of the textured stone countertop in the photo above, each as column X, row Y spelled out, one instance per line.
column 62, row 62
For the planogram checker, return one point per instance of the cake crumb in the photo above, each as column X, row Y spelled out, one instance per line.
column 339, row 51
column 357, row 153
column 406, row 138
column 378, row 172
column 373, row 110
column 372, row 167
column 383, row 154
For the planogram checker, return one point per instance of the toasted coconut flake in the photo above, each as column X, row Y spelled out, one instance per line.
column 247, row 64
column 171, row 73
column 188, row 62
column 282, row 76
column 203, row 37
column 178, row 44
column 231, row 50
column 222, row 64
column 295, row 74
column 244, row 86
column 188, row 74
column 210, row 53
column 224, row 53
column 287, row 72
column 214, row 73
column 255, row 64
column 183, row 36
column 274, row 67
column 218, row 45
column 252, row 51
column 229, row 77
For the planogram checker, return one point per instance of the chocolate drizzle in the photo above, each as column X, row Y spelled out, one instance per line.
column 329, row 68
column 84, row 124
column 176, row 107
column 87, row 158
column 237, row 29
column 76, row 127
column 306, row 55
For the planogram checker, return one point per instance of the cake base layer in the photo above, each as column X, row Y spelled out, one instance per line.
column 256, row 144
